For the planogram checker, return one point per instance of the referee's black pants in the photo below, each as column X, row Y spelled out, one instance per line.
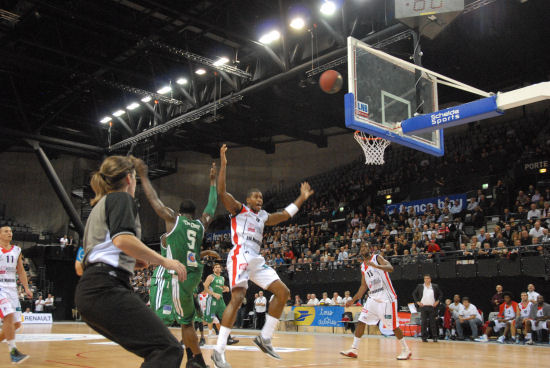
column 108, row 304
column 427, row 318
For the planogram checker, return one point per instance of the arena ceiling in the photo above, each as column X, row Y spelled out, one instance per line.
column 65, row 64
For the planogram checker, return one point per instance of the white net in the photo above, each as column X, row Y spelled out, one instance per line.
column 372, row 146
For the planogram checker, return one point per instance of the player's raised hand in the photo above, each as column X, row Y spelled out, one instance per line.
column 305, row 190
column 175, row 265
column 223, row 159
column 141, row 167
column 213, row 173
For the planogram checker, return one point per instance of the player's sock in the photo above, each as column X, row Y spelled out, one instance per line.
column 404, row 345
column 222, row 339
column 11, row 344
column 269, row 327
column 528, row 336
column 355, row 344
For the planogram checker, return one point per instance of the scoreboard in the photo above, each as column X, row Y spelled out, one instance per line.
column 415, row 8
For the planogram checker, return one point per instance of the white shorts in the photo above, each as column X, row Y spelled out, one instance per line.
column 542, row 326
column 244, row 264
column 375, row 311
column 499, row 325
column 9, row 303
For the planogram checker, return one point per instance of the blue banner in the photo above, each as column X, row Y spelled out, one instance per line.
column 421, row 205
column 219, row 235
column 329, row 316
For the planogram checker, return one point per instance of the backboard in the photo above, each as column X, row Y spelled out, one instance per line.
column 383, row 92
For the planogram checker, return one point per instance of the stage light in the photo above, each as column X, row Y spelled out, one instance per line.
column 118, row 113
column 388, row 196
column 146, row 99
column 297, row 23
column 200, row 71
column 485, row 186
column 221, row 61
column 328, row 7
column 105, row 120
column 132, row 106
column 270, row 37
column 164, row 90
column 542, row 171
column 388, row 201
column 181, row 81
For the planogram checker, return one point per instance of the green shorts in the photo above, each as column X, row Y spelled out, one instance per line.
column 172, row 301
column 214, row 308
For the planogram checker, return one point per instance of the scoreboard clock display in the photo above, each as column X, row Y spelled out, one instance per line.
column 415, row 8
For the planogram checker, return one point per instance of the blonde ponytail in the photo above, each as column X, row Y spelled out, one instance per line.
column 111, row 175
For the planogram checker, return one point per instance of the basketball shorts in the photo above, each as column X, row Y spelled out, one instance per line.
column 499, row 325
column 542, row 325
column 214, row 308
column 374, row 311
column 244, row 264
column 171, row 301
column 9, row 303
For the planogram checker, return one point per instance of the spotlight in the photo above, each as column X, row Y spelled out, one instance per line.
column 269, row 37
column 105, row 120
column 328, row 7
column 146, row 99
column 200, row 71
column 543, row 170
column 164, row 90
column 297, row 23
column 181, row 81
column 118, row 113
column 221, row 61
column 132, row 106
column 388, row 196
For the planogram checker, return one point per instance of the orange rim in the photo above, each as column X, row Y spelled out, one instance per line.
column 357, row 133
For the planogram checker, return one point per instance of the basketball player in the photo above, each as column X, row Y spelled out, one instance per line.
column 524, row 308
column 11, row 262
column 244, row 261
column 200, row 318
column 172, row 300
column 508, row 312
column 214, row 285
column 381, row 305
column 538, row 318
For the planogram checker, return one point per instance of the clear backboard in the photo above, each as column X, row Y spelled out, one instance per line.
column 383, row 92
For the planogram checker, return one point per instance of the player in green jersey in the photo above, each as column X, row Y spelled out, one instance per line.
column 215, row 286
column 170, row 299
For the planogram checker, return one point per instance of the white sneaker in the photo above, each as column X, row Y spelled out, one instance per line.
column 482, row 339
column 501, row 339
column 351, row 353
column 405, row 355
column 530, row 342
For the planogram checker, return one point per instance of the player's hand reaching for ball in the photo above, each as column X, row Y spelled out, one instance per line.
column 305, row 190
column 223, row 159
column 172, row 264
column 141, row 167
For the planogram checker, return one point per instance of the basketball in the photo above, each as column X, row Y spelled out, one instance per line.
column 331, row 81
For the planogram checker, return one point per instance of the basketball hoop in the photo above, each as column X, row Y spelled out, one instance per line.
column 372, row 146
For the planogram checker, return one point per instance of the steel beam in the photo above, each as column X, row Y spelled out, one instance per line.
column 40, row 138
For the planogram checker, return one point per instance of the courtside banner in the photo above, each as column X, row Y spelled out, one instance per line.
column 421, row 205
column 329, row 316
column 42, row 318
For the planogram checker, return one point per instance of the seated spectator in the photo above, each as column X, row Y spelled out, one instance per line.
column 347, row 297
column 500, row 251
column 325, row 300
column 539, row 316
column 39, row 305
column 433, row 250
column 336, row 299
column 63, row 241
column 508, row 312
column 534, row 213
column 464, row 253
column 298, row 301
column 468, row 315
column 537, row 231
column 313, row 300
column 456, row 207
column 522, row 199
column 532, row 294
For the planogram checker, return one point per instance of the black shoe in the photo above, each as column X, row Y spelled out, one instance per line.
column 266, row 347
column 17, row 357
column 202, row 341
column 460, row 338
column 424, row 340
column 231, row 341
column 194, row 364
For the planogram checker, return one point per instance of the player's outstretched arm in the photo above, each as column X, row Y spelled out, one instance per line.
column 362, row 290
column 210, row 253
column 210, row 210
column 291, row 209
column 164, row 212
column 229, row 202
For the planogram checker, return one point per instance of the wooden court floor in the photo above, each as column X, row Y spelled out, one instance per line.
column 65, row 345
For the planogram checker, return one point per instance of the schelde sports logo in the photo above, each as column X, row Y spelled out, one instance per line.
column 304, row 316
column 445, row 117
column 191, row 260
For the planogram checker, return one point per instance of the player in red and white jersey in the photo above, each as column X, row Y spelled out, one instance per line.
column 381, row 305
column 203, row 296
column 244, row 261
column 508, row 312
column 11, row 263
column 524, row 308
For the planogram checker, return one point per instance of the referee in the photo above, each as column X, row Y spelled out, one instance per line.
column 112, row 250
